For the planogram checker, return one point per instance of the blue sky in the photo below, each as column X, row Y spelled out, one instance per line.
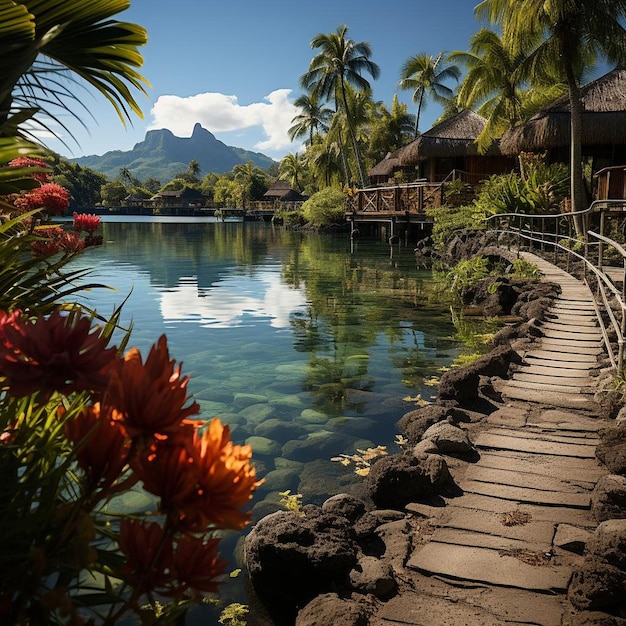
column 235, row 66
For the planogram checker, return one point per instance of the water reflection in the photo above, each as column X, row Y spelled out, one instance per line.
column 233, row 301
column 305, row 345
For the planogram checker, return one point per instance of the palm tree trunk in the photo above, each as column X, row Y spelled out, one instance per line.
column 344, row 160
column 419, row 111
column 576, row 164
column 355, row 144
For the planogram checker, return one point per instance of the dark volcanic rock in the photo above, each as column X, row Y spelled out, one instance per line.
column 292, row 558
column 612, row 450
column 462, row 384
column 597, row 587
column 608, row 498
column 331, row 608
column 415, row 423
column 346, row 505
column 608, row 543
column 394, row 481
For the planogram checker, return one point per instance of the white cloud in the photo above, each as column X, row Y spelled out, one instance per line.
column 221, row 113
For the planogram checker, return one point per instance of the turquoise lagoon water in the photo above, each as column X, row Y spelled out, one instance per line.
column 308, row 346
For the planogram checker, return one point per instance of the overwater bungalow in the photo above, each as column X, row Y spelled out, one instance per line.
column 280, row 195
column 446, row 152
column 178, row 199
column 281, row 191
column 383, row 173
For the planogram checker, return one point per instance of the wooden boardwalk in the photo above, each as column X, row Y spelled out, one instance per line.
column 504, row 551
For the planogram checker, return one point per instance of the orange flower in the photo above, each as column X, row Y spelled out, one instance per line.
column 148, row 551
column 197, row 566
column 151, row 396
column 102, row 446
column 55, row 353
column 226, row 481
column 202, row 483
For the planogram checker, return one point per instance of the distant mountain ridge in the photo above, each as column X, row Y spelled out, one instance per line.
column 162, row 155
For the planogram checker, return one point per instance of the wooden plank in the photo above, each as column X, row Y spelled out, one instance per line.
column 505, row 442
column 530, row 496
column 488, row 566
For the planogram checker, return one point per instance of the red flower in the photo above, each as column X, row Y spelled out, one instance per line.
column 51, row 197
column 167, row 470
column 42, row 177
column 55, row 353
column 197, row 566
column 71, row 242
column 151, row 396
column 100, row 443
column 148, row 551
column 86, row 222
column 48, row 240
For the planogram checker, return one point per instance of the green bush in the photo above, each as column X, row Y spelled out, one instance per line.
column 448, row 220
column 525, row 269
column 325, row 207
column 466, row 273
column 503, row 193
column 291, row 218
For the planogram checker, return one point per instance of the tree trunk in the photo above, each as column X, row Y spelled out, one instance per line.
column 355, row 145
column 576, row 164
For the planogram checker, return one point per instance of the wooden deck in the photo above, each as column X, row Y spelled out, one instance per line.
column 405, row 202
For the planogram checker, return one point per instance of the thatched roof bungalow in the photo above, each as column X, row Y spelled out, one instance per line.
column 451, row 145
column 383, row 172
column 178, row 198
column 280, row 191
column 604, row 125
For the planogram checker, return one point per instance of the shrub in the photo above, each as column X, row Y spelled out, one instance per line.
column 325, row 207
column 448, row 220
column 466, row 273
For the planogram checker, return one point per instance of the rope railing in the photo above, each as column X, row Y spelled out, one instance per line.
column 558, row 239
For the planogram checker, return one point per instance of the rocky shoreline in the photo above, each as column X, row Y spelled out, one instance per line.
column 338, row 563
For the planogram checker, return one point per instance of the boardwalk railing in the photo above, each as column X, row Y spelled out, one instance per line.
column 579, row 242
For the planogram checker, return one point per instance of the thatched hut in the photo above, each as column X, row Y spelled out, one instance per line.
column 280, row 191
column 451, row 145
column 383, row 172
column 603, row 132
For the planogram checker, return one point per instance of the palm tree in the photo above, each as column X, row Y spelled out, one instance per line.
column 292, row 169
column 425, row 76
column 324, row 162
column 490, row 86
column 569, row 36
column 340, row 62
column 312, row 118
column 48, row 48
column 249, row 177
column 362, row 108
column 388, row 130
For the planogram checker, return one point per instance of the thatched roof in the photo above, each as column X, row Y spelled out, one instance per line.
column 387, row 166
column 604, row 119
column 277, row 189
column 280, row 190
column 455, row 136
